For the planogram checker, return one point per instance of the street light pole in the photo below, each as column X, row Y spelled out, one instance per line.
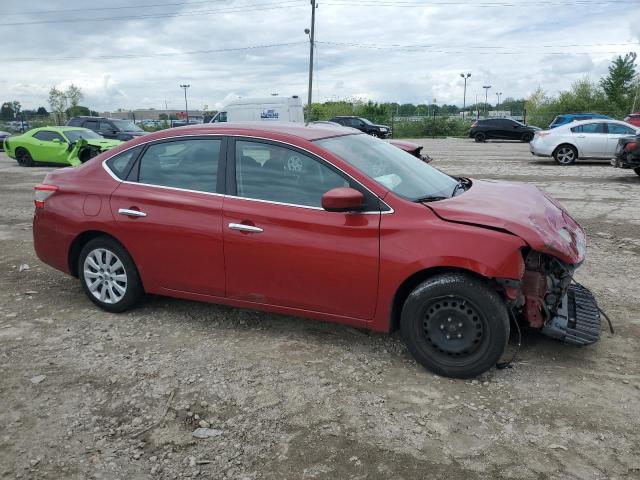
column 311, row 34
column 486, row 96
column 464, row 97
column 186, row 107
column 498, row 104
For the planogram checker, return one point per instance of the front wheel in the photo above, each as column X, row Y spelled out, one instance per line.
column 566, row 155
column 455, row 325
column 526, row 137
column 108, row 275
column 23, row 157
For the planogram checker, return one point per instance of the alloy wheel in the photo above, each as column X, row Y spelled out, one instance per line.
column 565, row 155
column 105, row 275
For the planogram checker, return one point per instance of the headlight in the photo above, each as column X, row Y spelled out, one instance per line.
column 566, row 235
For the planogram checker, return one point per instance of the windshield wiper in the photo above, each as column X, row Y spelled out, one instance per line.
column 429, row 198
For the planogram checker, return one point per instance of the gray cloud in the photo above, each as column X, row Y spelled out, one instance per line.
column 510, row 48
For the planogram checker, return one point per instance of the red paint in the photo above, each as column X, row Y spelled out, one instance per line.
column 534, row 288
column 337, row 266
column 342, row 200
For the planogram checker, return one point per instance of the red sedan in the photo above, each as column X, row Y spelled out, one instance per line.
column 324, row 223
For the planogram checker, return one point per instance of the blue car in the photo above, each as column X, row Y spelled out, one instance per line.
column 574, row 117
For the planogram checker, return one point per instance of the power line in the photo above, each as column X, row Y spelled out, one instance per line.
column 237, row 9
column 154, row 55
column 394, row 3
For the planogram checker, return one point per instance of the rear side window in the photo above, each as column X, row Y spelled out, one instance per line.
column 75, row 122
column 121, row 164
column 91, row 124
column 559, row 119
column 589, row 128
column 189, row 164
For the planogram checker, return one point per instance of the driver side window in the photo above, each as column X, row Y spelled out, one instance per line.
column 278, row 174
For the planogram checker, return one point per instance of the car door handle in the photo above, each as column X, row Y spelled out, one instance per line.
column 245, row 228
column 131, row 213
column 581, row 136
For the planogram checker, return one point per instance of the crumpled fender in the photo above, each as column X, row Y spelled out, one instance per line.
column 73, row 155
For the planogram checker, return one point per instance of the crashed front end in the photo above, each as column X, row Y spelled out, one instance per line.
column 83, row 150
column 549, row 300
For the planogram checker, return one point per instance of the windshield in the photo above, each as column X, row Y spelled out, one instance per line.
column 366, row 121
column 127, row 126
column 394, row 169
column 74, row 135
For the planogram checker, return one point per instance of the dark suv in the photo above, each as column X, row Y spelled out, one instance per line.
column 364, row 125
column 108, row 127
column 502, row 128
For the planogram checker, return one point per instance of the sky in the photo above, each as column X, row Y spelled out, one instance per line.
column 135, row 53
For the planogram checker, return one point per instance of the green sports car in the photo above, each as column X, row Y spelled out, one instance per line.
column 57, row 145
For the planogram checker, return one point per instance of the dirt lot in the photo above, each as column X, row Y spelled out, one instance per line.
column 299, row 399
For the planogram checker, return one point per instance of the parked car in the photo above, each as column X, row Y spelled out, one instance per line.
column 268, row 109
column 3, row 135
column 58, row 145
column 576, row 117
column 501, row 128
column 109, row 127
column 332, row 225
column 628, row 153
column 594, row 139
column 409, row 147
column 364, row 125
column 633, row 119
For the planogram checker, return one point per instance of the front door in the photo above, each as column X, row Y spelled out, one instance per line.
column 50, row 147
column 169, row 215
column 281, row 248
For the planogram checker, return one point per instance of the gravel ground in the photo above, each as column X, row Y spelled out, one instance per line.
column 87, row 394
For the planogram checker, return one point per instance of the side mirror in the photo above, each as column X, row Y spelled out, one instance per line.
column 55, row 140
column 342, row 200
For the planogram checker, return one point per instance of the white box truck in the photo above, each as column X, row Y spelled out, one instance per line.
column 268, row 109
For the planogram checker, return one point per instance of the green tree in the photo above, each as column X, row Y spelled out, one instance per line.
column 57, row 102
column 42, row 111
column 74, row 95
column 6, row 112
column 619, row 84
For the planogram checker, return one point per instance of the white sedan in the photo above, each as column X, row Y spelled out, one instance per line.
column 580, row 140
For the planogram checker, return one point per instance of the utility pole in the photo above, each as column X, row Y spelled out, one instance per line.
column 166, row 114
column 311, row 34
column 486, row 96
column 464, row 98
column 498, row 104
column 186, row 107
column 477, row 109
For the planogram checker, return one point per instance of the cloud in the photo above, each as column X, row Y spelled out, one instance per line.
column 512, row 49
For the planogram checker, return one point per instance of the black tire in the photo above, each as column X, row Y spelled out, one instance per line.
column 375, row 134
column 526, row 137
column 23, row 157
column 480, row 137
column 455, row 325
column 106, row 296
column 565, row 154
column 637, row 170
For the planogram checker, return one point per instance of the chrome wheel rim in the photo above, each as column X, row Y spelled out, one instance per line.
column 105, row 275
column 566, row 155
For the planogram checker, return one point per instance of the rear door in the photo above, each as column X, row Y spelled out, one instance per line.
column 169, row 214
column 281, row 248
column 590, row 139
column 615, row 131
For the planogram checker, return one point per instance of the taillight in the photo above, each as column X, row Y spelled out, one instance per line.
column 474, row 124
column 630, row 146
column 42, row 192
column 541, row 133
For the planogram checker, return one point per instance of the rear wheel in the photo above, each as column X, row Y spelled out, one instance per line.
column 526, row 137
column 23, row 157
column 566, row 155
column 108, row 275
column 480, row 137
column 455, row 325
column 637, row 170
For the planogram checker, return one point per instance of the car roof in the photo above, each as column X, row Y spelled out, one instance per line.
column 300, row 130
column 58, row 128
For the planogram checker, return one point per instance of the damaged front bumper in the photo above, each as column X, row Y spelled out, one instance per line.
column 549, row 300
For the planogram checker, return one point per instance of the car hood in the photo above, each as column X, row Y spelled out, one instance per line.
column 383, row 126
column 521, row 210
column 404, row 145
column 135, row 134
column 103, row 143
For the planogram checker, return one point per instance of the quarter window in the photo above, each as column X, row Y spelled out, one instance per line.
column 189, row 164
column 278, row 174
column 106, row 127
column 47, row 136
column 121, row 164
